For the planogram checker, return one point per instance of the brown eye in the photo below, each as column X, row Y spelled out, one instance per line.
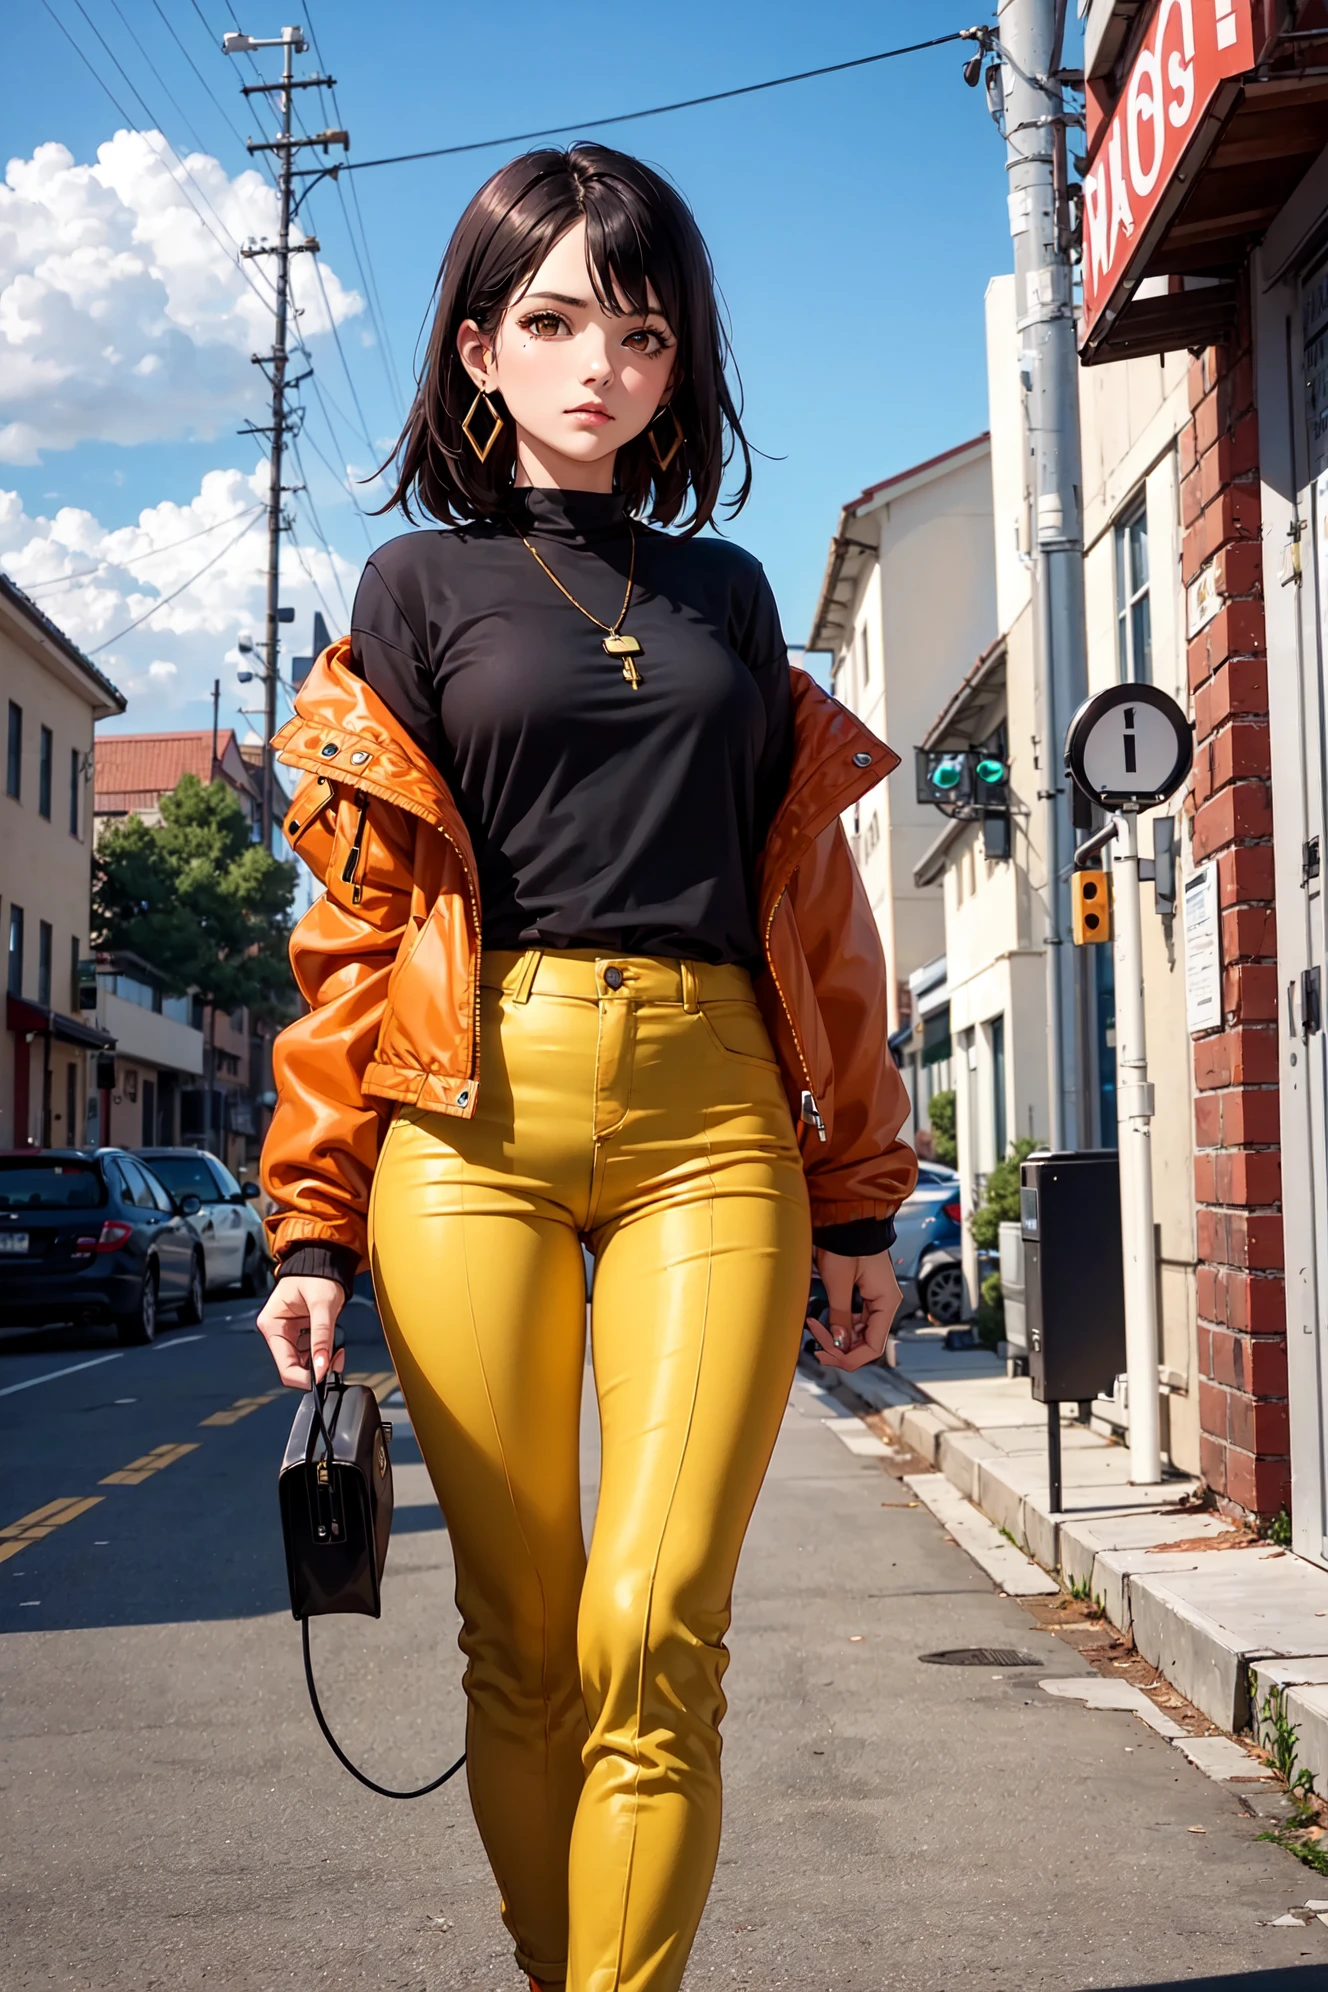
column 543, row 324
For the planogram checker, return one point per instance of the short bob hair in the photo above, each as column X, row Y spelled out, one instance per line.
column 639, row 231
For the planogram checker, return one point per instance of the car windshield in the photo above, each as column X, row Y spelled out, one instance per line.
column 33, row 1185
column 185, row 1176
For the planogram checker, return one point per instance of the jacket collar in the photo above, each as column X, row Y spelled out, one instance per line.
column 343, row 731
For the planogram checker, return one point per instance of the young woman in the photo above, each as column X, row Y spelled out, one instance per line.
column 593, row 964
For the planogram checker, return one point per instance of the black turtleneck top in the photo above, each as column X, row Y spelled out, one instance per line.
column 602, row 816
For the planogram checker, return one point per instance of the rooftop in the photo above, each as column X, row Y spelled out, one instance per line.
column 112, row 698
column 134, row 770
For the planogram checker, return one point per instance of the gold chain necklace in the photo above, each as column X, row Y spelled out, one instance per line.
column 616, row 643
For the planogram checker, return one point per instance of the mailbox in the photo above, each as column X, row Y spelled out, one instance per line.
column 1074, row 1286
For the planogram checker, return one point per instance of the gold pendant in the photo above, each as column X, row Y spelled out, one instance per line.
column 629, row 650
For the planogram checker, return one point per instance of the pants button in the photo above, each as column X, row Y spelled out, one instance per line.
column 614, row 977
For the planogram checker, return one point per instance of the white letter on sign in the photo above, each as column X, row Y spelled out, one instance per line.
column 1122, row 214
column 1145, row 103
column 1180, row 68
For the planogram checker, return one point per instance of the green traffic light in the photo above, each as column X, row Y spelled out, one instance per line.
column 990, row 771
column 947, row 774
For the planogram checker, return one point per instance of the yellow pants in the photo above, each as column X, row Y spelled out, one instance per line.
column 634, row 1103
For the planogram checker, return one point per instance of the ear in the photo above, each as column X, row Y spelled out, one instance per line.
column 476, row 352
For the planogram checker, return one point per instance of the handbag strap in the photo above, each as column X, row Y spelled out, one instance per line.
column 422, row 1791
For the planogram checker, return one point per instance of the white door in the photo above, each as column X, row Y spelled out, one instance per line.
column 1293, row 394
column 228, row 1223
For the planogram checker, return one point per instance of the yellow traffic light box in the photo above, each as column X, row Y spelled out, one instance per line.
column 1090, row 906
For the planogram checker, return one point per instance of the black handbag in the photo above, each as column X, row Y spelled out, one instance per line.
column 335, row 1493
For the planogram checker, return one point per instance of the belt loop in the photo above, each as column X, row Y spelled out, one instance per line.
column 690, row 993
column 525, row 975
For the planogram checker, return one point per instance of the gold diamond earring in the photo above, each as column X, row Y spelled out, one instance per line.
column 498, row 426
column 665, row 457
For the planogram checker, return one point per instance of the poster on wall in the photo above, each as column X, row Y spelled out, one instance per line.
column 1203, row 950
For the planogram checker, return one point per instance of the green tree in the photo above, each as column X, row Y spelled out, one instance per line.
column 198, row 900
column 945, row 1146
column 1000, row 1195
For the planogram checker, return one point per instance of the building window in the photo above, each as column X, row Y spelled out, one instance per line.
column 45, row 770
column 15, row 983
column 74, row 786
column 1134, row 629
column 1000, row 1132
column 45, row 942
column 14, row 759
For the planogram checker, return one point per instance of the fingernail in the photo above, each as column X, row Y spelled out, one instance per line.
column 320, row 1364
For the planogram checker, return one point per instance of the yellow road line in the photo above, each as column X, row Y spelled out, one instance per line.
column 381, row 1382
column 241, row 1409
column 17, row 1536
column 139, row 1470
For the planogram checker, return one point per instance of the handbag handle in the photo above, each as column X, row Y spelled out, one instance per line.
column 383, row 1791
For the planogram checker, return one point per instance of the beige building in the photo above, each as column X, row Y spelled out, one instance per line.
column 1131, row 417
column 907, row 603
column 51, row 697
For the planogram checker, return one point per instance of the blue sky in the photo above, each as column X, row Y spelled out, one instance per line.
column 854, row 222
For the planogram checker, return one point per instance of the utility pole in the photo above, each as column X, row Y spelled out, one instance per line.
column 291, row 41
column 1027, row 86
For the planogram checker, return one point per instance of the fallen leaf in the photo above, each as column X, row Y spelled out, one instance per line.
column 1196, row 1829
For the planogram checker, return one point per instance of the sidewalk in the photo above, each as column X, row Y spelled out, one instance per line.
column 1225, row 1618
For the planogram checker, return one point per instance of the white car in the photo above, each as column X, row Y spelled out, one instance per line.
column 227, row 1224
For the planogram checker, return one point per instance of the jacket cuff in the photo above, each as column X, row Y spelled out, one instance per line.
column 857, row 1240
column 321, row 1262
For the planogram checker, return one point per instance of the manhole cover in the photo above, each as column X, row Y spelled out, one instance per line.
column 980, row 1656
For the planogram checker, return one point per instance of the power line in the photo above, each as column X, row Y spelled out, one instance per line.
column 169, row 26
column 131, row 124
column 341, row 353
column 174, row 100
column 82, row 573
column 159, row 124
column 338, row 475
column 162, row 600
column 655, row 110
column 312, row 579
column 317, row 525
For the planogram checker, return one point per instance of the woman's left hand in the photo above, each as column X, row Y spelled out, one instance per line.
column 850, row 1339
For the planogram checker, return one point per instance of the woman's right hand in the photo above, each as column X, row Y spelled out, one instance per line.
column 299, row 1323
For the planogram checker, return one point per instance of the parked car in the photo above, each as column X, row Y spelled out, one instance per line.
column 927, row 1251
column 91, row 1235
column 227, row 1225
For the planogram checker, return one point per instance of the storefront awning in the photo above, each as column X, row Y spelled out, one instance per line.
column 1220, row 110
column 42, row 1021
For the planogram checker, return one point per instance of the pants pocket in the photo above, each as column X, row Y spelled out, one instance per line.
column 739, row 1031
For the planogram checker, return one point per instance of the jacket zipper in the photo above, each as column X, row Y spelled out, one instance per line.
column 810, row 1112
column 463, row 1099
column 352, row 863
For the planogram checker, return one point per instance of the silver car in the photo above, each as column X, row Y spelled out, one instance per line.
column 227, row 1224
column 927, row 1253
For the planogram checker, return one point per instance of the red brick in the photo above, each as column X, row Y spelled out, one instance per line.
column 1193, row 552
column 1242, row 810
column 1210, row 1232
column 1247, row 1176
column 1249, row 992
column 1237, row 630
column 1205, row 1177
column 1204, row 1348
column 1240, row 1117
column 1240, row 568
column 1245, row 874
column 1208, row 1120
column 1206, row 1301
column 1256, row 1303
column 1238, row 688
column 1256, row 1240
column 1245, row 1055
column 1213, row 1461
column 1233, row 1299
column 1191, row 499
column 1236, row 388
column 1188, row 450
column 1235, row 515
column 1241, row 749
column 1213, row 1402
column 1207, row 422
column 1263, row 1366
column 1249, row 933
column 1225, row 1358
column 1261, row 1486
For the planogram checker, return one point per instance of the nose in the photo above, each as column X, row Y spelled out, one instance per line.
column 596, row 366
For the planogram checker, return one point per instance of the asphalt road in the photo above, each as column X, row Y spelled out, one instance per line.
column 171, row 1817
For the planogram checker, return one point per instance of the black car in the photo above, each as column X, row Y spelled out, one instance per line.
column 94, row 1235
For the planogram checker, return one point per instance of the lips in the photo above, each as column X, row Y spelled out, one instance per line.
column 593, row 411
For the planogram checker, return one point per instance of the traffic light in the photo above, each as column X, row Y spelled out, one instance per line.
column 944, row 776
column 991, row 781
column 1090, row 906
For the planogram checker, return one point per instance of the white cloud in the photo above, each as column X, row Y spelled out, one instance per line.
column 122, row 319
column 94, row 582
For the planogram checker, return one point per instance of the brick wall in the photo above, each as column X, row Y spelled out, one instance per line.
column 1244, row 1438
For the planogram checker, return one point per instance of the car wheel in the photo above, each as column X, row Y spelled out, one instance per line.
column 141, row 1324
column 942, row 1295
column 257, row 1275
column 190, row 1310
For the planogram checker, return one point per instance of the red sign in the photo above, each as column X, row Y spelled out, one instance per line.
column 1190, row 48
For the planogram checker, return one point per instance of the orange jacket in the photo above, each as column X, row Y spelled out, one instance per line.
column 388, row 962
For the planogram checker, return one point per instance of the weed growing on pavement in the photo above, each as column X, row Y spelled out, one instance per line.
column 1279, row 1529
column 1303, row 1833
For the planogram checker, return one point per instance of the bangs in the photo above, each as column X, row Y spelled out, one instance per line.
column 625, row 255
